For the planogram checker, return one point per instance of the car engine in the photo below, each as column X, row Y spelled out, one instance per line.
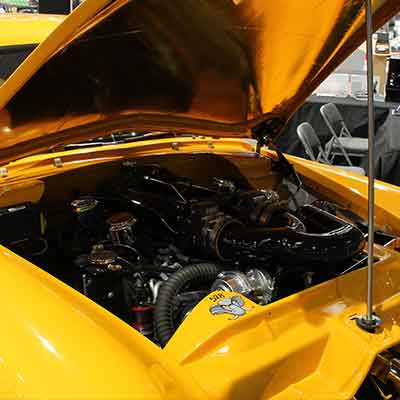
column 150, row 246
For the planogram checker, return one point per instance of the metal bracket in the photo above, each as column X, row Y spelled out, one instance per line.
column 369, row 325
column 58, row 162
column 396, row 112
column 264, row 130
column 3, row 172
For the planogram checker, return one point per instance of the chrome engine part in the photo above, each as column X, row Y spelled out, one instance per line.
column 159, row 241
column 214, row 229
column 153, row 245
column 102, row 257
column 121, row 228
column 255, row 284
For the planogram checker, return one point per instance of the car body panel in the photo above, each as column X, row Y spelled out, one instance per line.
column 218, row 65
column 304, row 346
column 56, row 343
column 20, row 35
column 22, row 29
column 350, row 189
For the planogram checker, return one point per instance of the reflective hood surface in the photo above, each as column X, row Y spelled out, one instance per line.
column 219, row 67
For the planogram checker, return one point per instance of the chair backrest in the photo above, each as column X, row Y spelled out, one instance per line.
column 334, row 120
column 310, row 141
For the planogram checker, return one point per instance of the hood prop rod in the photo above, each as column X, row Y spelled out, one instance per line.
column 370, row 322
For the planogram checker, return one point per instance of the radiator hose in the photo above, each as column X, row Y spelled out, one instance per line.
column 163, row 312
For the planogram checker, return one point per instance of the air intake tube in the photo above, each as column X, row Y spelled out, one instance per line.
column 163, row 313
column 322, row 238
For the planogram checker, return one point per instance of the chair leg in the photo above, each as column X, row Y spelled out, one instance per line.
column 344, row 152
column 329, row 150
column 331, row 155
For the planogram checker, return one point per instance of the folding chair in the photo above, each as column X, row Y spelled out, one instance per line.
column 311, row 142
column 342, row 143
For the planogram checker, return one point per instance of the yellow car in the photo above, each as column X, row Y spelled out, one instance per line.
column 20, row 34
column 149, row 251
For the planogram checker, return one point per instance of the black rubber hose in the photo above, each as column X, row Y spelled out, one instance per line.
column 338, row 243
column 163, row 316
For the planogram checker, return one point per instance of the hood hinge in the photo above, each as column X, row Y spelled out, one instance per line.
column 265, row 131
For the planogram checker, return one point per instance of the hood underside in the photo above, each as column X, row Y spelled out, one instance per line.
column 220, row 67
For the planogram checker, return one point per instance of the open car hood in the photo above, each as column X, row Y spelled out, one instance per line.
column 221, row 67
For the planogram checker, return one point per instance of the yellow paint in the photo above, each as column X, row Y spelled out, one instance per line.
column 61, row 35
column 25, row 29
column 351, row 190
column 43, row 165
column 56, row 343
column 305, row 346
column 346, row 188
column 29, row 191
column 275, row 56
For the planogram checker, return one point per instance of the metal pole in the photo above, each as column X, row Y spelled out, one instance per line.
column 371, row 161
column 370, row 321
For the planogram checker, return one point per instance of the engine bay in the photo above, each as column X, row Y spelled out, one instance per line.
column 149, row 244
